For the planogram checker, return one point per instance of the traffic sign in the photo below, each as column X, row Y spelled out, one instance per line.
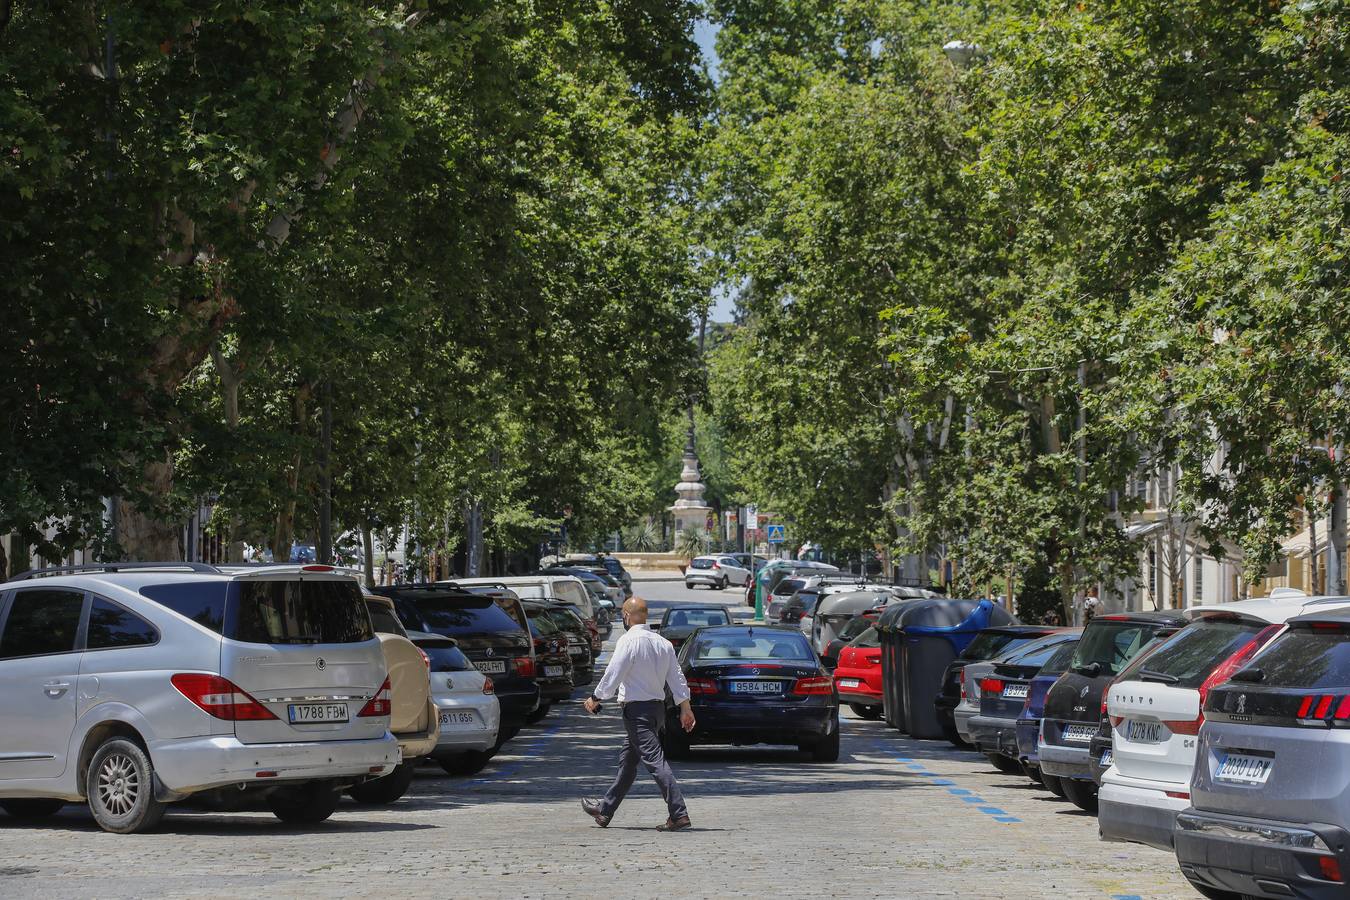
column 777, row 534
column 752, row 517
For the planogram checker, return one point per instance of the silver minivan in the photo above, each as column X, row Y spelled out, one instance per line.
column 132, row 685
column 1270, row 795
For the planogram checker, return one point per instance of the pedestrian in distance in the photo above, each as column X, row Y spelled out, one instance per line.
column 642, row 667
column 1051, row 617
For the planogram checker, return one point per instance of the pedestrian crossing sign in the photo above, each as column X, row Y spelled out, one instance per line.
column 777, row 534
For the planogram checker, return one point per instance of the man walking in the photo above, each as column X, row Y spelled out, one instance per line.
column 642, row 667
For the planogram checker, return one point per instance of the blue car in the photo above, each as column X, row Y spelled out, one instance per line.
column 1029, row 722
column 752, row 684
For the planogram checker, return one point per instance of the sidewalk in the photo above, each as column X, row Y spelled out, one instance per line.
column 656, row 575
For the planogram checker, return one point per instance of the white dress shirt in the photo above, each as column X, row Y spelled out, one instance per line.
column 642, row 667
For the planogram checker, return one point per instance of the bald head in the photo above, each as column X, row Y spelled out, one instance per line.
column 635, row 608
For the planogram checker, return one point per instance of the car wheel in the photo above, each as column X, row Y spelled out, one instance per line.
column 25, row 808
column 1032, row 772
column 385, row 790
column 470, row 763
column 537, row 716
column 951, row 734
column 308, row 804
column 1005, row 764
column 1054, row 785
column 688, row 586
column 675, row 742
column 1082, row 794
column 864, row 711
column 121, row 788
column 722, row 586
column 825, row 749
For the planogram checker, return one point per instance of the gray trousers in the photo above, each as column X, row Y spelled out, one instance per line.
column 643, row 720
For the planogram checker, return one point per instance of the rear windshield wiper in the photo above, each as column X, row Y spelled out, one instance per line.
column 1160, row 677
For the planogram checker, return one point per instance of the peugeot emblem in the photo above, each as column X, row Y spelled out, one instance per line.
column 320, row 663
column 1242, row 703
column 1084, row 691
column 489, row 652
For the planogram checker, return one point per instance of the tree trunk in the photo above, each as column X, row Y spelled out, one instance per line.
column 1336, row 540
column 368, row 548
column 325, row 548
column 145, row 536
column 284, row 534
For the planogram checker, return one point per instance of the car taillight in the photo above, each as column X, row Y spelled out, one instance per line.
column 380, row 704
column 488, row 686
column 220, row 697
column 524, row 666
column 716, row 566
column 813, row 686
column 426, row 660
column 1222, row 673
column 991, row 686
column 702, row 685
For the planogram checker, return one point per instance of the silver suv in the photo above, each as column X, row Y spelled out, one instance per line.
column 1270, row 797
column 134, row 685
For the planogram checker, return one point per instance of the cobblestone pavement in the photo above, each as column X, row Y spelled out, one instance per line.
column 892, row 819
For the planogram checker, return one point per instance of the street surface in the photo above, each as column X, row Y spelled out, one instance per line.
column 893, row 818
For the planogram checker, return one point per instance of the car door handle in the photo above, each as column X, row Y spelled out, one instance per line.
column 56, row 688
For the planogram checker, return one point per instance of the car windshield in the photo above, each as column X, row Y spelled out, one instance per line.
column 1111, row 643
column 445, row 616
column 445, row 657
column 854, row 627
column 541, row 622
column 288, row 611
column 1307, row 657
column 987, row 645
column 807, row 600
column 867, row 639
column 789, row 586
column 1058, row 663
column 748, row 645
column 695, row 618
column 383, row 619
column 703, row 562
column 1186, row 659
column 1036, row 653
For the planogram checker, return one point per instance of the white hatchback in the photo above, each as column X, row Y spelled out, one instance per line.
column 1155, row 711
column 715, row 571
column 470, row 716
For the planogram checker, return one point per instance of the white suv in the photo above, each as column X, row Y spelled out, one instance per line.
column 133, row 685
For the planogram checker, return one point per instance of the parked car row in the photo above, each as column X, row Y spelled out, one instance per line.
column 1209, row 733
column 145, row 684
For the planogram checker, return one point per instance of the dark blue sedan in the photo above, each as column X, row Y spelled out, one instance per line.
column 756, row 685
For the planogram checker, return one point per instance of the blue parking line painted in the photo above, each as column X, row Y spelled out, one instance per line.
column 1126, row 897
column 973, row 799
column 960, row 792
column 1007, row 820
column 942, row 782
column 992, row 810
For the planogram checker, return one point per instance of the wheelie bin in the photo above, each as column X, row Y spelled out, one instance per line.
column 892, row 700
column 929, row 634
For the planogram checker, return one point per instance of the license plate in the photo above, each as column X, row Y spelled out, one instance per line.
column 756, row 687
column 451, row 721
column 1015, row 691
column 1107, row 757
column 849, row 682
column 1145, row 732
column 491, row 666
column 1079, row 734
column 303, row 713
column 1245, row 769
column 552, row 671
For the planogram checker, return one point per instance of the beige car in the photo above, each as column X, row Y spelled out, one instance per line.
column 413, row 718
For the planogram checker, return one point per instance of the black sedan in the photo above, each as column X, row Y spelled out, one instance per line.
column 678, row 622
column 756, row 685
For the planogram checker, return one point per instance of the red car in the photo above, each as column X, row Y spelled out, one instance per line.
column 857, row 678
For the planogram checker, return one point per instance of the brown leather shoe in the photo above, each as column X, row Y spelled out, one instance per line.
column 592, row 809
column 679, row 824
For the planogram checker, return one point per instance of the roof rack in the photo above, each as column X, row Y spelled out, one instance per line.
column 115, row 567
